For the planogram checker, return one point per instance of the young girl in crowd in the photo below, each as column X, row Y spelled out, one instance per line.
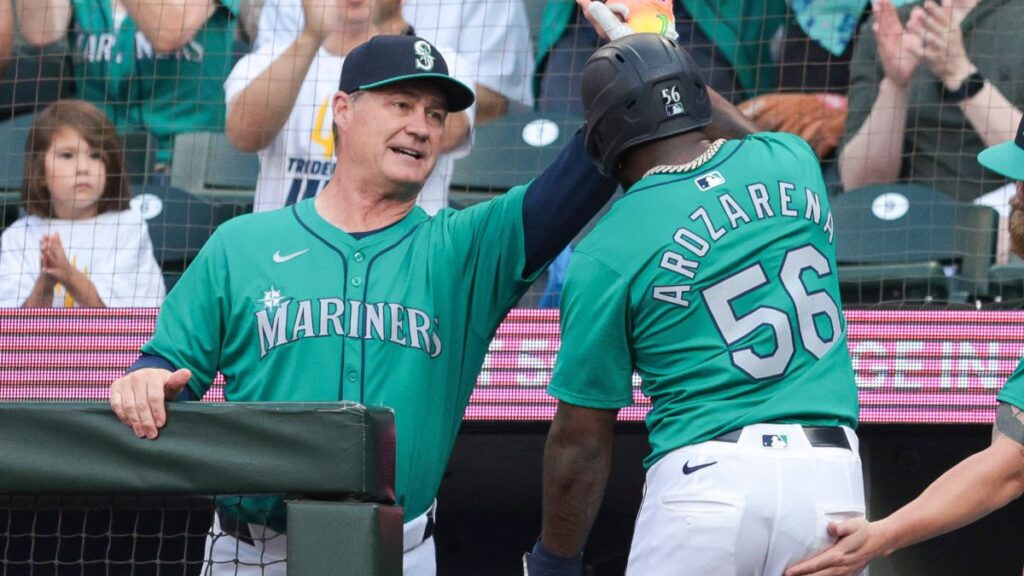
column 79, row 244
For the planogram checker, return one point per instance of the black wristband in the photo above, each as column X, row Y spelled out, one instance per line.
column 968, row 88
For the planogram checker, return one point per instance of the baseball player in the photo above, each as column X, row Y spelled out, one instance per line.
column 713, row 278
column 976, row 486
column 358, row 295
column 279, row 103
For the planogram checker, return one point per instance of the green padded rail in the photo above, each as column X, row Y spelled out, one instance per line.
column 344, row 538
column 252, row 448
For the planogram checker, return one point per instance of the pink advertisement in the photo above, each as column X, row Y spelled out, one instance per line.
column 911, row 366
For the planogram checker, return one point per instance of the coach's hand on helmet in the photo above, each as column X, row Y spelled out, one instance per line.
column 139, row 398
column 612, row 18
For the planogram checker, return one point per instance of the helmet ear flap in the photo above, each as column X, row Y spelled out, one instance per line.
column 637, row 89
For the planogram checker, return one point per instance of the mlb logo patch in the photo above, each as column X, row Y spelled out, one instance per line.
column 710, row 180
column 674, row 109
column 775, row 441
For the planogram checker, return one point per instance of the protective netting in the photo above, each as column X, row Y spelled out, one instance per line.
column 879, row 113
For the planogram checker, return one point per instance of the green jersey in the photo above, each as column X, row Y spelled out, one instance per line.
column 290, row 308
column 117, row 68
column 718, row 287
column 1012, row 391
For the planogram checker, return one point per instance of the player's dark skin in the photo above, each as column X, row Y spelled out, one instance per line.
column 578, row 453
column 672, row 150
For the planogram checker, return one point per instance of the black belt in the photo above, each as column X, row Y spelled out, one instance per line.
column 817, row 436
column 235, row 528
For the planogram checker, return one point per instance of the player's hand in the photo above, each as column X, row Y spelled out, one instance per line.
column 858, row 544
column 139, row 398
column 541, row 562
column 899, row 49
column 607, row 19
column 942, row 41
column 611, row 19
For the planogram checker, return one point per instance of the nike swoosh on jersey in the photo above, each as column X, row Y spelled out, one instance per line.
column 279, row 258
column 687, row 469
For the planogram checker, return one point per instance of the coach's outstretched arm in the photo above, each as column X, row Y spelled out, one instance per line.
column 139, row 398
column 973, row 488
column 577, row 460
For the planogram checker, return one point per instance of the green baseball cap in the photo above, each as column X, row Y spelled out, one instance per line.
column 1006, row 158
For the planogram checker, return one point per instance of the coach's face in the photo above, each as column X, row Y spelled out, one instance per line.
column 392, row 135
column 1017, row 221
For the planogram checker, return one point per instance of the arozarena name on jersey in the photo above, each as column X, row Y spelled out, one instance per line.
column 292, row 320
column 697, row 241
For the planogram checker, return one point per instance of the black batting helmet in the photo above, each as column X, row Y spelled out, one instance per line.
column 639, row 88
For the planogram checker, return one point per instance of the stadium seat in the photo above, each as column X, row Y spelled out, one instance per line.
column 13, row 136
column 1006, row 285
column 207, row 165
column 179, row 225
column 34, row 79
column 908, row 244
column 139, row 153
column 509, row 151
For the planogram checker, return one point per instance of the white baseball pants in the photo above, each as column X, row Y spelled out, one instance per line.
column 746, row 508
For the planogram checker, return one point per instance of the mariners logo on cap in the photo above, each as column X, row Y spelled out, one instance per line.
column 424, row 56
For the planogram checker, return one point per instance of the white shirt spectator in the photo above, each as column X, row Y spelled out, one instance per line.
column 300, row 160
column 113, row 250
column 492, row 35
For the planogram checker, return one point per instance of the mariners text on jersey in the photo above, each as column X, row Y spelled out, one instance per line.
column 282, row 321
column 697, row 240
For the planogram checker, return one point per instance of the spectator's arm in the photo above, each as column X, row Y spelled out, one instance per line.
column 256, row 114
column 42, row 293
column 489, row 104
column 83, row 290
column 169, row 24
column 993, row 117
column 456, row 130
column 875, row 153
column 43, row 22
column 884, row 62
column 6, row 32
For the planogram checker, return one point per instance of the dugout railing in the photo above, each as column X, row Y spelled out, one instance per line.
column 80, row 494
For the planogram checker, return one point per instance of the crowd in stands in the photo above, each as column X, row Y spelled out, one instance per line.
column 891, row 91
